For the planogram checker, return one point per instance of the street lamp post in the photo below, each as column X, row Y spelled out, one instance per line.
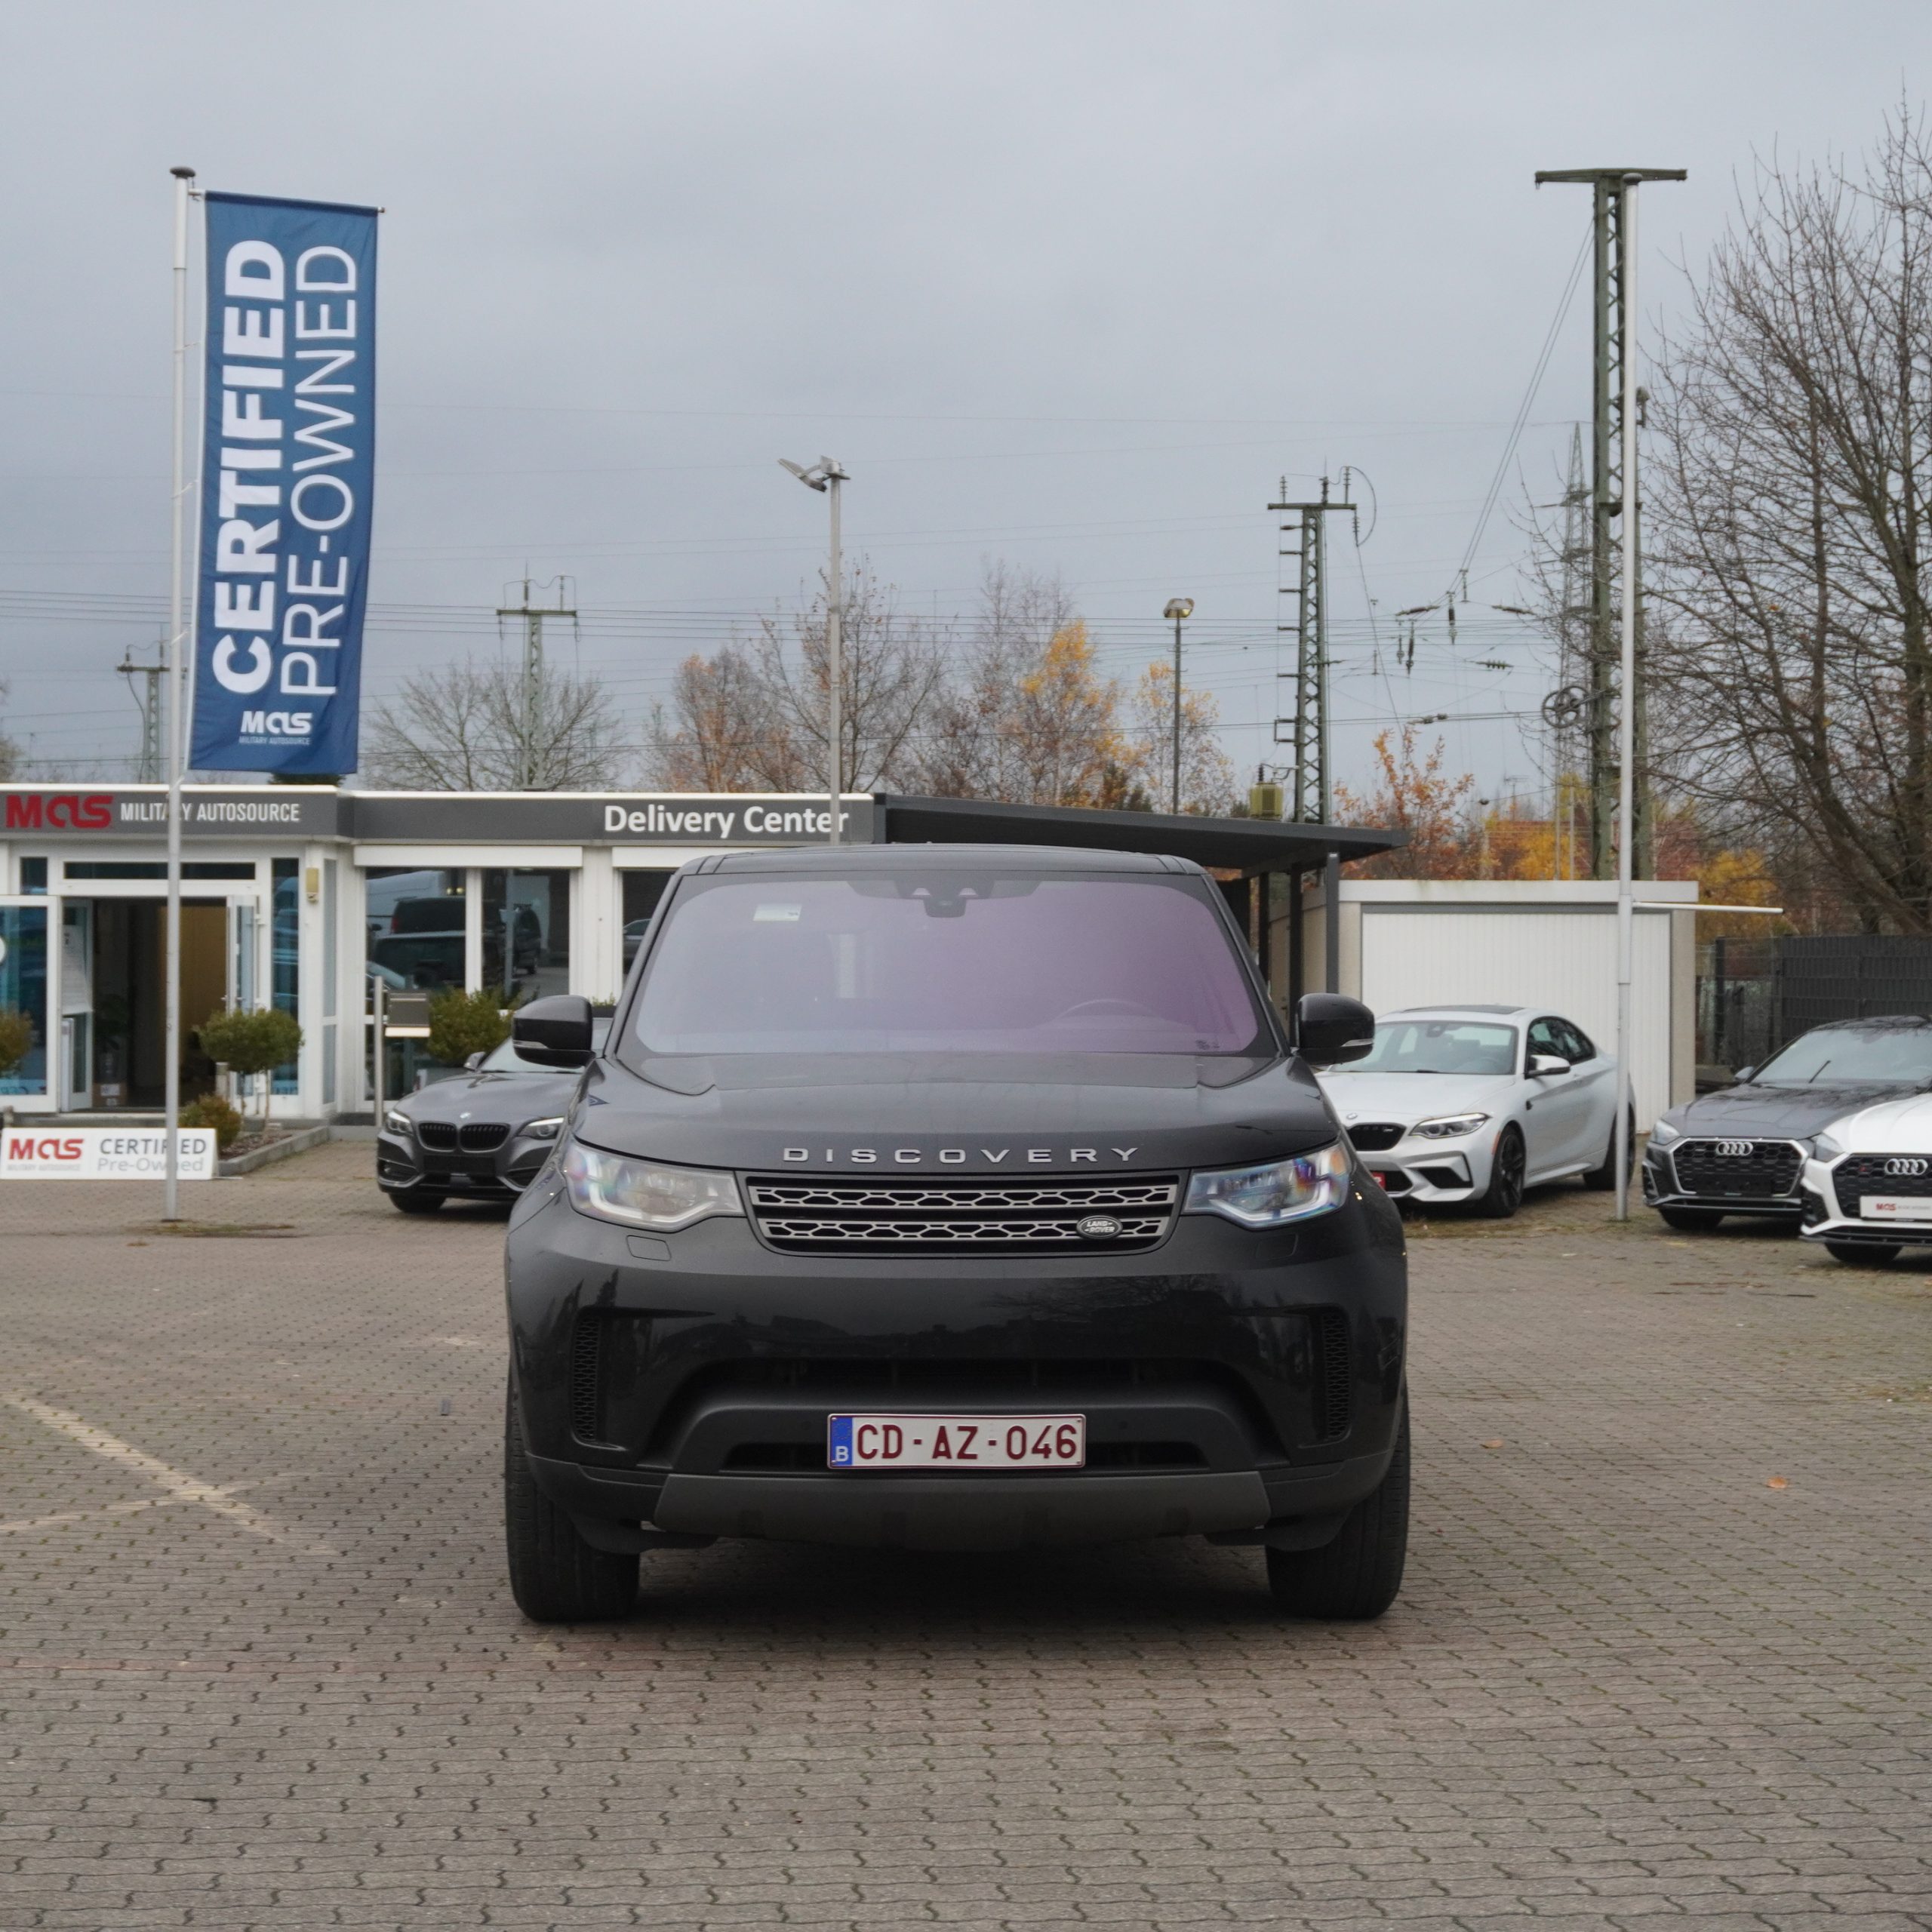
column 827, row 475
column 1178, row 608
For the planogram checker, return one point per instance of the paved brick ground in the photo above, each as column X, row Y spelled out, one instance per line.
column 261, row 1669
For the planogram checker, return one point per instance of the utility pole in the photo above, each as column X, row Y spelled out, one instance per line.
column 148, row 767
column 1311, row 793
column 1611, row 193
column 529, row 777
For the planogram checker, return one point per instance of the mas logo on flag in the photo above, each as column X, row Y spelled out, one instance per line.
column 288, row 466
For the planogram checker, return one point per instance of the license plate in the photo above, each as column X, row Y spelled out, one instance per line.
column 1895, row 1207
column 956, row 1442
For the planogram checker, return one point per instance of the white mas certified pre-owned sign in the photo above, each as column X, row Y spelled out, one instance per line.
column 102, row 1153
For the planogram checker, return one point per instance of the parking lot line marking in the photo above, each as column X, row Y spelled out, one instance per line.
column 181, row 1487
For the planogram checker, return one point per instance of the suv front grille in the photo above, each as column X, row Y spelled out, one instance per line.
column 1375, row 1137
column 1768, row 1169
column 1862, row 1174
column 854, row 1216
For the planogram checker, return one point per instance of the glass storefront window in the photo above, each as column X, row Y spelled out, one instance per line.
column 285, row 958
column 23, row 990
column 527, row 933
column 416, row 928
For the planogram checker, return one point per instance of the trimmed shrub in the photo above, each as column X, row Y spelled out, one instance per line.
column 251, row 1043
column 16, row 1038
column 212, row 1110
column 462, row 1023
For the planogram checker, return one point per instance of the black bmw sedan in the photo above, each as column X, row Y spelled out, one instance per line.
column 479, row 1136
column 1740, row 1150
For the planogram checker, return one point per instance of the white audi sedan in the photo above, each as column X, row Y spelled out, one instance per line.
column 1475, row 1103
column 1865, row 1189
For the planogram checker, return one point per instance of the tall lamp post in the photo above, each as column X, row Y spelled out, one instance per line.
column 827, row 475
column 1178, row 608
column 177, row 632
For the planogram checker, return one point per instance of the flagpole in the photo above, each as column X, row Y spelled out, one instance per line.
column 177, row 626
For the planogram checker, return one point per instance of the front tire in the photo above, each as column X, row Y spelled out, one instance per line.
column 1354, row 1579
column 1856, row 1253
column 1504, row 1194
column 415, row 1202
column 1690, row 1220
column 556, row 1577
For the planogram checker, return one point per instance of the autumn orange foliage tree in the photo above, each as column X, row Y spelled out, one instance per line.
column 1412, row 795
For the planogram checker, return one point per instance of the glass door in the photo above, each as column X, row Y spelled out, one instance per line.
column 24, row 1029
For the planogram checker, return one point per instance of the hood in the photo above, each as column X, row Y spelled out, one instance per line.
column 1777, row 1112
column 1894, row 1127
column 936, row 1113
column 511, row 1097
column 1406, row 1098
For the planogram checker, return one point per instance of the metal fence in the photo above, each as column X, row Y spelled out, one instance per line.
column 1754, row 994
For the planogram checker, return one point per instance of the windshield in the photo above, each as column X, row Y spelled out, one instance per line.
column 1440, row 1046
column 1899, row 1054
column 944, row 961
column 506, row 1059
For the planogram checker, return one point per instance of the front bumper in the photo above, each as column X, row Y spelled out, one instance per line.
column 403, row 1165
column 1825, row 1218
column 1432, row 1172
column 1664, row 1187
column 1235, row 1384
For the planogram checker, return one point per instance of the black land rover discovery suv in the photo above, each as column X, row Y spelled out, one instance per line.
column 963, row 1197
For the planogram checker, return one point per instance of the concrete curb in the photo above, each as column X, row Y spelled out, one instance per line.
column 276, row 1150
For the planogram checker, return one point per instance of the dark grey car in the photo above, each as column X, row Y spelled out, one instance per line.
column 1740, row 1150
column 481, row 1136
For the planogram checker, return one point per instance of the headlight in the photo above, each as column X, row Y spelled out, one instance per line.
column 1824, row 1148
column 614, row 1187
column 1449, row 1127
column 1663, row 1134
column 543, row 1130
column 396, row 1120
column 1265, row 1197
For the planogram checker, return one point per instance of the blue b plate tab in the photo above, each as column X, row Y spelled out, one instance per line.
column 838, row 1442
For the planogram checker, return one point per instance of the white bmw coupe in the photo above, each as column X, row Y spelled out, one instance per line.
column 1474, row 1103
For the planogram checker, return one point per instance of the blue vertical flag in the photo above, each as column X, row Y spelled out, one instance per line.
column 287, row 469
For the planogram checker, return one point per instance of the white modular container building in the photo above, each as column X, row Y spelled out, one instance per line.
column 1550, row 944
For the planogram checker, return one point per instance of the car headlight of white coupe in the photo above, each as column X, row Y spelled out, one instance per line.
column 1265, row 1197
column 543, row 1130
column 644, row 1194
column 1824, row 1148
column 1449, row 1127
column 1662, row 1134
column 396, row 1120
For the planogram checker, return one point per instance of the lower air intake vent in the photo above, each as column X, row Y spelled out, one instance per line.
column 1334, row 1373
column 587, row 1379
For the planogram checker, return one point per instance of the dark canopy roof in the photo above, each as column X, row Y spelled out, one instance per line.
column 1242, row 844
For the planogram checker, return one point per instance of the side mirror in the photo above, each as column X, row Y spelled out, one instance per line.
column 472, row 1062
column 1743, row 1074
column 1331, row 1030
column 1543, row 1066
column 554, row 1031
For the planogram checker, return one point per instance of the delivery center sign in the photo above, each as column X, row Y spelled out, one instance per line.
column 288, row 469
column 102, row 1153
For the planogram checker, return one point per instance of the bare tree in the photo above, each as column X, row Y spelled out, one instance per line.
column 10, row 751
column 1791, row 662
column 753, row 717
column 471, row 727
column 972, row 745
column 1207, row 772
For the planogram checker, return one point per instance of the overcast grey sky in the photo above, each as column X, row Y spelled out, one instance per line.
column 1069, row 284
